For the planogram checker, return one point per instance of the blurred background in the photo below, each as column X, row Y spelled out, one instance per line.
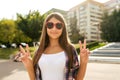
column 97, row 21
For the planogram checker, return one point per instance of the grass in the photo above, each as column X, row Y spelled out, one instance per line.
column 99, row 45
column 5, row 53
column 94, row 47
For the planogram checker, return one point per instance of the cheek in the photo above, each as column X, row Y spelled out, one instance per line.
column 48, row 31
column 60, row 32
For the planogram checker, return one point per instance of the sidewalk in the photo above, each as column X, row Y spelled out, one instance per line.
column 10, row 70
column 115, row 60
column 95, row 71
column 109, row 53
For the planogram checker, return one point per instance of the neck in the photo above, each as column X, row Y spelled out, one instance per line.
column 54, row 42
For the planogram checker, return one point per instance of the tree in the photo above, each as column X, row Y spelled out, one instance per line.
column 21, row 37
column 7, row 31
column 75, row 36
column 110, row 27
column 31, row 24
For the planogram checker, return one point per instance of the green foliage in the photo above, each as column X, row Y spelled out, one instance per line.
column 7, row 31
column 97, row 46
column 90, row 46
column 75, row 36
column 110, row 27
column 21, row 37
column 7, row 52
column 31, row 24
column 25, row 29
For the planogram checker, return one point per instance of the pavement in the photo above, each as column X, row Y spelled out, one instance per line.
column 102, row 71
column 112, row 60
column 106, row 54
column 10, row 70
column 110, row 50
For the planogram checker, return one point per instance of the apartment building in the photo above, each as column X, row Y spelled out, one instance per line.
column 88, row 16
column 111, row 5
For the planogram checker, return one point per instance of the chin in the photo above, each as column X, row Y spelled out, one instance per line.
column 54, row 37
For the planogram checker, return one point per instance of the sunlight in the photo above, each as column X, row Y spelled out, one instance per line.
column 10, row 8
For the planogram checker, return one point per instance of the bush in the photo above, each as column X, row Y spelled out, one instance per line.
column 90, row 45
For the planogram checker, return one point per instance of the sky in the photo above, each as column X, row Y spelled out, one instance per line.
column 9, row 8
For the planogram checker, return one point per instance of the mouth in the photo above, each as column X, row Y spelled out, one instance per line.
column 54, row 33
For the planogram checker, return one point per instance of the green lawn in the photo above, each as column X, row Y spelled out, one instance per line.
column 99, row 45
column 94, row 47
column 5, row 53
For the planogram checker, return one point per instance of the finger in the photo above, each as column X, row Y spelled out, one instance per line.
column 27, row 49
column 84, row 45
column 22, row 49
column 21, row 58
column 88, row 51
column 83, row 51
column 80, row 45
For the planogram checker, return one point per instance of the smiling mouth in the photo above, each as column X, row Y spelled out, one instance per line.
column 54, row 33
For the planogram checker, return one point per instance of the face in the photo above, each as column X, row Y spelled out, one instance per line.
column 54, row 28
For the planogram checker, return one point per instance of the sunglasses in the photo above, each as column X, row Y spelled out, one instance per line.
column 50, row 25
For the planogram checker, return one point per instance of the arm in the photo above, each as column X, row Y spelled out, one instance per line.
column 30, row 70
column 84, row 54
column 27, row 61
column 81, row 72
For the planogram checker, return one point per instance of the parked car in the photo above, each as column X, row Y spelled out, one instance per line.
column 3, row 46
column 23, row 44
column 13, row 45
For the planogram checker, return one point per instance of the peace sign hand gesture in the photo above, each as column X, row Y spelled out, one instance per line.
column 84, row 53
column 25, row 56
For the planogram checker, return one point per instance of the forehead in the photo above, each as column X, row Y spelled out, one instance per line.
column 53, row 19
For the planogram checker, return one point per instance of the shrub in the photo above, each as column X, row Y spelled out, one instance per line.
column 89, row 45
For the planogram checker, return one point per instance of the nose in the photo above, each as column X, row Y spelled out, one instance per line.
column 54, row 27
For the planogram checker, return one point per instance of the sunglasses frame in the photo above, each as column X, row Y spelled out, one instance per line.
column 54, row 25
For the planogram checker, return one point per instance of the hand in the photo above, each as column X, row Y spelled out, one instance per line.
column 25, row 56
column 84, row 53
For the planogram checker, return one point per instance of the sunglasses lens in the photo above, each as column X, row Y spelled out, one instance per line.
column 49, row 25
column 59, row 25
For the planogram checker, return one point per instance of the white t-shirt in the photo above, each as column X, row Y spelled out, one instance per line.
column 52, row 66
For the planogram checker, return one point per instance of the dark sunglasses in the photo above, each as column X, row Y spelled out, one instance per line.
column 50, row 25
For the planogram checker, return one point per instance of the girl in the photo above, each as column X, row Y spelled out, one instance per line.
column 56, row 58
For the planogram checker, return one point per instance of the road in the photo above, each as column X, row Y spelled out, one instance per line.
column 10, row 70
column 103, row 71
column 95, row 71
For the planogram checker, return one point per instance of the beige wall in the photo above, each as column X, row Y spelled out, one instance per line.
column 88, row 15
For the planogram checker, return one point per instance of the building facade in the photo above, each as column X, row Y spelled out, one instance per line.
column 88, row 16
column 111, row 5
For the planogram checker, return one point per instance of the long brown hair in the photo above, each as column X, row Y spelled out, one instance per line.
column 63, row 41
